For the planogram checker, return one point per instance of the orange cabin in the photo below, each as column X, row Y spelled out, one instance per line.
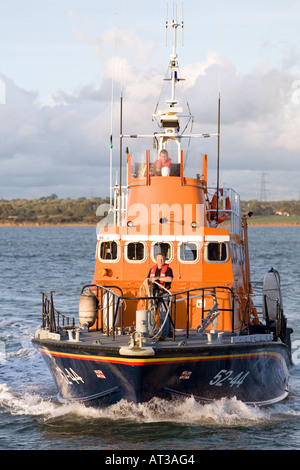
column 171, row 214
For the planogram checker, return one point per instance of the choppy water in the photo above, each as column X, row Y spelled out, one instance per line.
column 31, row 418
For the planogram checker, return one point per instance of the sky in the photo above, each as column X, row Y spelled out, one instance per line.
column 63, row 64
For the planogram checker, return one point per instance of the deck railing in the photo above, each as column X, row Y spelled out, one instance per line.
column 51, row 317
column 234, row 213
column 111, row 305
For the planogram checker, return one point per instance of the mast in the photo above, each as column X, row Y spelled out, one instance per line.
column 121, row 150
column 173, row 59
column 168, row 118
column 218, row 153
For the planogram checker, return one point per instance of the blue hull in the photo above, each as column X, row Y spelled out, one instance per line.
column 253, row 373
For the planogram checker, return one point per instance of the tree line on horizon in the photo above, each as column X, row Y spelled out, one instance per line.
column 52, row 210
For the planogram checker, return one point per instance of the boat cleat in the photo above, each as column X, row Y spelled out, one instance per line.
column 136, row 347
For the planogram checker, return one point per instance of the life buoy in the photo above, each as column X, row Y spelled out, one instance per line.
column 214, row 202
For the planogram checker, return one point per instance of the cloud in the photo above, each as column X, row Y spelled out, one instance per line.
column 42, row 145
column 64, row 148
column 259, row 118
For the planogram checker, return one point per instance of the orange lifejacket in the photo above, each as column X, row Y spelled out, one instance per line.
column 162, row 272
column 159, row 164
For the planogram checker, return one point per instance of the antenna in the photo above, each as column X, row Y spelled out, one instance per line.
column 218, row 153
column 173, row 58
column 219, row 113
column 111, row 120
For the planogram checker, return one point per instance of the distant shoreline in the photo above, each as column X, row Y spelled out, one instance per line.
column 250, row 224
column 27, row 224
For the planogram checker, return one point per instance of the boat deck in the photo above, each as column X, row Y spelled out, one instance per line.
column 95, row 340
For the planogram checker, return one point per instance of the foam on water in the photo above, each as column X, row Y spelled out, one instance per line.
column 221, row 413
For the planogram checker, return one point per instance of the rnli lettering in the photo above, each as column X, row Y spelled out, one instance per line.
column 224, row 376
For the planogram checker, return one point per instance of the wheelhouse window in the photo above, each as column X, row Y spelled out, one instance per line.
column 233, row 251
column 216, row 252
column 188, row 252
column 108, row 251
column 162, row 247
column 241, row 254
column 135, row 252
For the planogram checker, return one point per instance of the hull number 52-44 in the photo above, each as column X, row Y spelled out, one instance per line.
column 224, row 376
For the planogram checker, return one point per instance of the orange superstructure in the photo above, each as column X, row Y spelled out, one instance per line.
column 173, row 215
column 167, row 206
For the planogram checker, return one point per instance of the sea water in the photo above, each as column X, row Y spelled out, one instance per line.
column 31, row 417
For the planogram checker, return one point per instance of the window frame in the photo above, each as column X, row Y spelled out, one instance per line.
column 234, row 252
column 109, row 260
column 188, row 261
column 163, row 241
column 216, row 261
column 135, row 260
column 241, row 254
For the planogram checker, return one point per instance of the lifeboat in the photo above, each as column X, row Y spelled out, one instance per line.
column 170, row 311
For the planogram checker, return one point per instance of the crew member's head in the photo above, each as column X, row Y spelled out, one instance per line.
column 164, row 156
column 160, row 259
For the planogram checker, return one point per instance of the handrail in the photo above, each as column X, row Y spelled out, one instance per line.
column 51, row 316
column 233, row 211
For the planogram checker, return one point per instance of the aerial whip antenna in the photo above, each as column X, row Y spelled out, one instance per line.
column 173, row 60
column 219, row 113
column 121, row 124
column 111, row 117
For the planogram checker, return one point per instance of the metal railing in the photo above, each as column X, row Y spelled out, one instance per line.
column 51, row 317
column 234, row 213
column 206, row 313
column 111, row 307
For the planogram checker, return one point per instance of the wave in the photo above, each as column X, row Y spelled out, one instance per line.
column 220, row 413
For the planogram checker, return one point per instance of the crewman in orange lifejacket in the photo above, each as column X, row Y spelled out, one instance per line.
column 163, row 162
column 161, row 274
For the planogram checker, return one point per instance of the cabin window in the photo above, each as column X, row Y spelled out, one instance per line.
column 241, row 254
column 135, row 252
column 108, row 251
column 139, row 170
column 216, row 252
column 163, row 247
column 233, row 251
column 188, row 252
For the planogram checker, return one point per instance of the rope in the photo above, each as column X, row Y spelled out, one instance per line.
column 167, row 312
